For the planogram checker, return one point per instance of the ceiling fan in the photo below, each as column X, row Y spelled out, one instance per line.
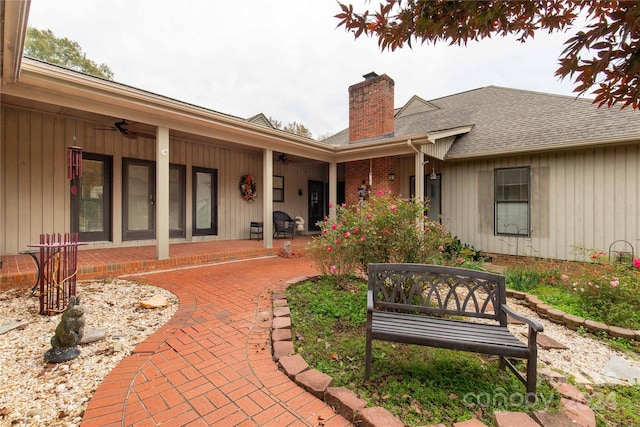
column 283, row 158
column 126, row 129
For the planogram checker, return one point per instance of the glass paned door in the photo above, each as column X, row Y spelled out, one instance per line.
column 139, row 200
column 177, row 200
column 91, row 199
column 205, row 203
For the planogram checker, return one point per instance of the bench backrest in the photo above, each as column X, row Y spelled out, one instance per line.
column 437, row 290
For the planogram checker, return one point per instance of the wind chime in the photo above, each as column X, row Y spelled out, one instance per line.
column 74, row 163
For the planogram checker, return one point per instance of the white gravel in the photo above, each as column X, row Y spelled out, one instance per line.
column 585, row 356
column 36, row 393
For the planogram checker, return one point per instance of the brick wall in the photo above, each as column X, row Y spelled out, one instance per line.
column 371, row 108
column 356, row 172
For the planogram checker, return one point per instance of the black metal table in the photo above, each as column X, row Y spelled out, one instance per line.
column 33, row 253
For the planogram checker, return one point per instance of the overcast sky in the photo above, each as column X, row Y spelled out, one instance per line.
column 283, row 58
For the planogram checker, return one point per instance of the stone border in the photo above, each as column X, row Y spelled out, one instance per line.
column 569, row 320
column 346, row 403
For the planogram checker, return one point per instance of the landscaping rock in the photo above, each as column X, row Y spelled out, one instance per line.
column 619, row 369
column 550, row 375
column 281, row 335
column 157, row 301
column 293, row 365
column 278, row 295
column 552, row 419
column 11, row 326
column 556, row 315
column 569, row 391
column 93, row 336
column 572, row 321
column 618, row 332
column 281, row 322
column 513, row 419
column 595, row 326
column 547, row 342
column 579, row 413
column 281, row 312
column 377, row 417
column 470, row 423
column 297, row 280
column 344, row 402
column 282, row 349
column 314, row 381
column 516, row 294
column 532, row 300
column 279, row 303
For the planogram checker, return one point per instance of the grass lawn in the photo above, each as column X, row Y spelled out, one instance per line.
column 420, row 385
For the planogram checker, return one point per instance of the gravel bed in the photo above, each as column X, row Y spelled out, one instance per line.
column 585, row 355
column 34, row 392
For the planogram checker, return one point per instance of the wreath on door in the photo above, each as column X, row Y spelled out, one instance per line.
column 248, row 188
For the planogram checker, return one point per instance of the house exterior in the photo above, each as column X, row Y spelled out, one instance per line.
column 508, row 171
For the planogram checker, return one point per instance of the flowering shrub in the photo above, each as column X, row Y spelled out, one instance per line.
column 636, row 263
column 385, row 229
column 606, row 291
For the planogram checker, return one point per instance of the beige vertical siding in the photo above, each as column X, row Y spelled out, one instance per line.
column 36, row 194
column 588, row 198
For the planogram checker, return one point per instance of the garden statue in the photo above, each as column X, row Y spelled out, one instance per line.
column 68, row 333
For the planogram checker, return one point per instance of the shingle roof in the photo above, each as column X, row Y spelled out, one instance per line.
column 515, row 120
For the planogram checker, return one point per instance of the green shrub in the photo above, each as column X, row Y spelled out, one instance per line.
column 522, row 279
column 385, row 229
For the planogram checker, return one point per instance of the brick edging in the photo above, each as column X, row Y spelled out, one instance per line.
column 571, row 321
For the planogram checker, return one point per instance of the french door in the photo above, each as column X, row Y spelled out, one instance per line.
column 91, row 199
column 138, row 204
column 205, row 201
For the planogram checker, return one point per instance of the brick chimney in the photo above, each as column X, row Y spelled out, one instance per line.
column 371, row 108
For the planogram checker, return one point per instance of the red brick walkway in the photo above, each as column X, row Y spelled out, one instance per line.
column 211, row 364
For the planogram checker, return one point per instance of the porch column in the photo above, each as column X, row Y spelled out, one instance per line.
column 267, row 192
column 162, row 193
column 333, row 189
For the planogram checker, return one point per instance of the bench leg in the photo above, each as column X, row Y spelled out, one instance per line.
column 367, row 362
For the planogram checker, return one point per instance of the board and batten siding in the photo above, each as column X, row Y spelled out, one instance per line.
column 587, row 198
column 35, row 192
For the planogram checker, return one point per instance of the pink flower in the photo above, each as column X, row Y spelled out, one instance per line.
column 333, row 226
column 347, row 234
column 379, row 192
column 459, row 259
column 564, row 277
column 330, row 205
column 636, row 263
column 394, row 207
column 337, row 241
column 362, row 239
column 441, row 248
column 614, row 283
column 386, row 231
column 325, row 232
column 333, row 269
column 368, row 216
column 428, row 230
column 329, row 249
column 355, row 231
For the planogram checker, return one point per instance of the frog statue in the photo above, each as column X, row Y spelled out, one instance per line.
column 68, row 333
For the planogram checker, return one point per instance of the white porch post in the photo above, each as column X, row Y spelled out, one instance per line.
column 267, row 193
column 162, row 193
column 333, row 189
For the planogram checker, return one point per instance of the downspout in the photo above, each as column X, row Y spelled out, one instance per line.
column 419, row 179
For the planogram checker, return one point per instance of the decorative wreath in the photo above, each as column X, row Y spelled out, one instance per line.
column 248, row 188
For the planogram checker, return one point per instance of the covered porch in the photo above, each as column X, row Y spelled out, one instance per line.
column 19, row 271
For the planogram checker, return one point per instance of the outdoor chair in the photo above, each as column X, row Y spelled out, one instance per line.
column 283, row 225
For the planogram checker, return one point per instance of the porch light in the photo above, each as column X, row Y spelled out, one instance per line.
column 433, row 175
column 392, row 177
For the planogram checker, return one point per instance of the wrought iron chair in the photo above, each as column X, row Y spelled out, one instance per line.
column 283, row 225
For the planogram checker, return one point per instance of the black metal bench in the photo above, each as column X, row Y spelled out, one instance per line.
column 447, row 307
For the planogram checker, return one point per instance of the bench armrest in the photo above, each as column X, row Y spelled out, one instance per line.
column 533, row 324
column 369, row 300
